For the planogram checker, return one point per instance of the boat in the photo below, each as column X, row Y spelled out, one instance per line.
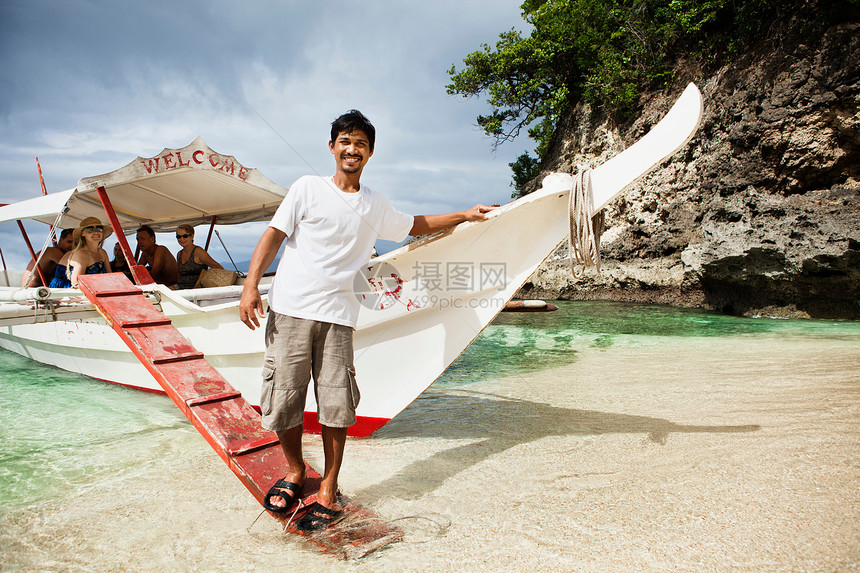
column 422, row 304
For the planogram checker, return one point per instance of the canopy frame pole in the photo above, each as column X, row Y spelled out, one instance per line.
column 45, row 192
column 41, row 179
column 139, row 272
column 5, row 273
column 32, row 252
column 209, row 236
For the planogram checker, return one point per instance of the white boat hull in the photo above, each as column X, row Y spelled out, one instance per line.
column 399, row 349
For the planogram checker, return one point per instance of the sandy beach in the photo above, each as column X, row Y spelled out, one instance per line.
column 689, row 456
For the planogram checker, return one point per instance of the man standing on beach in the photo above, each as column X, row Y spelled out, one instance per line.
column 330, row 225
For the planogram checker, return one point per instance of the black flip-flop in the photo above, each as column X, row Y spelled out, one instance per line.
column 318, row 517
column 282, row 489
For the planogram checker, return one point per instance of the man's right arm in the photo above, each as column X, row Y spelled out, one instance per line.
column 34, row 278
column 47, row 263
column 426, row 224
column 251, row 304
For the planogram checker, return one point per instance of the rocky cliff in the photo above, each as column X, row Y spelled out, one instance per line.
column 760, row 213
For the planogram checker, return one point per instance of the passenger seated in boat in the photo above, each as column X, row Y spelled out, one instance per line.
column 87, row 256
column 157, row 259
column 119, row 264
column 196, row 258
column 48, row 261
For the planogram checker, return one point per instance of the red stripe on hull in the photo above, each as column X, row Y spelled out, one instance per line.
column 133, row 387
column 363, row 427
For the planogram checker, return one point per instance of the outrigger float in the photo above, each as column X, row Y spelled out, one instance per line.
column 422, row 304
column 529, row 306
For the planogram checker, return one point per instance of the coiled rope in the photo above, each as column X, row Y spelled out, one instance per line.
column 583, row 240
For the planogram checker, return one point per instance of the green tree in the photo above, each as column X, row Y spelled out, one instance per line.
column 525, row 169
column 605, row 53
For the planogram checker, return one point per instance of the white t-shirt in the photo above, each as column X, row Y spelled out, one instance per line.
column 330, row 234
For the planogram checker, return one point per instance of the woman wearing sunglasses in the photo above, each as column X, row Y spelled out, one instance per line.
column 87, row 256
column 192, row 260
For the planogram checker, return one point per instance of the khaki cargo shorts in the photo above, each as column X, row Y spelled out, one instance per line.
column 296, row 350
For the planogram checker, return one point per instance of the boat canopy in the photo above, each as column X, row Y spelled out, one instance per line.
column 177, row 186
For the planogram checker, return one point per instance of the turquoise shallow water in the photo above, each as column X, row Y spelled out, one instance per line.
column 525, row 342
column 60, row 433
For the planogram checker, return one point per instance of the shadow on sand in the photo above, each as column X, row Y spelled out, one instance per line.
column 500, row 423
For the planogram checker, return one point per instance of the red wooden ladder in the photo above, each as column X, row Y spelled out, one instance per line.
column 217, row 410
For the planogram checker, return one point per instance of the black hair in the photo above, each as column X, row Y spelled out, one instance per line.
column 351, row 121
column 147, row 229
column 65, row 233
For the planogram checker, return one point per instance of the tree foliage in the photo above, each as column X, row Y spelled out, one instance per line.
column 605, row 53
column 525, row 168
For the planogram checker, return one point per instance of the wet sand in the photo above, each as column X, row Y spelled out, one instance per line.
column 741, row 454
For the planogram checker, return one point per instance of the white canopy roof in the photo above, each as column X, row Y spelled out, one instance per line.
column 188, row 185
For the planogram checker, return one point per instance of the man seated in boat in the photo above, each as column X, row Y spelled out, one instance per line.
column 157, row 259
column 48, row 261
column 330, row 225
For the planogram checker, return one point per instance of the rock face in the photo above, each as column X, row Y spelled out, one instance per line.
column 759, row 214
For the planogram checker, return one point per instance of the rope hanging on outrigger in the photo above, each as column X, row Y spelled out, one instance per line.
column 583, row 240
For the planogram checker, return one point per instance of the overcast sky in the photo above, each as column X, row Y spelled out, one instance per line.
column 89, row 85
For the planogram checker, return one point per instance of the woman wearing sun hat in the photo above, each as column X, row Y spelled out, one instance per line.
column 87, row 256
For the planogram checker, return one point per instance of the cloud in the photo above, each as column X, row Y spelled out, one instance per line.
column 88, row 85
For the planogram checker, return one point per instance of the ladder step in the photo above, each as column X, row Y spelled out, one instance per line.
column 193, row 380
column 129, row 309
column 178, row 358
column 199, row 401
column 122, row 292
column 162, row 344
column 145, row 323
column 266, row 442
